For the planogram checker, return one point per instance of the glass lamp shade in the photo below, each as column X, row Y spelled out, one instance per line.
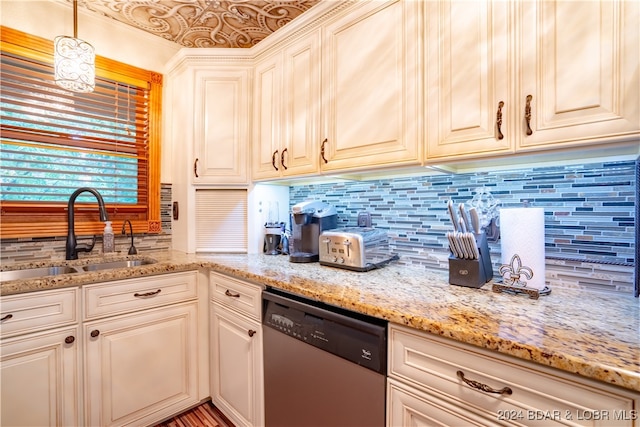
column 74, row 62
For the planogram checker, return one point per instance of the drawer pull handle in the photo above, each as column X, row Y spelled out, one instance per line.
column 282, row 158
column 251, row 332
column 483, row 387
column 324, row 159
column 527, row 114
column 94, row 333
column 273, row 160
column 7, row 317
column 70, row 339
column 147, row 294
column 499, row 119
column 229, row 294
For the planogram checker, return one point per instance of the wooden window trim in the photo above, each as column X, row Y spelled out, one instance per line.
column 47, row 220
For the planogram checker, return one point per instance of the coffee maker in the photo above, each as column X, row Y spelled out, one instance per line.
column 309, row 219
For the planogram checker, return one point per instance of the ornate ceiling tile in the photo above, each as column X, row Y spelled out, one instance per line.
column 203, row 23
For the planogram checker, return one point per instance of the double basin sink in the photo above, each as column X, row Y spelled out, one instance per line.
column 30, row 273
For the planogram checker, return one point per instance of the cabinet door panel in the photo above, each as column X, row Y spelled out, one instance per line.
column 236, row 374
column 221, row 126
column 302, row 93
column 40, row 380
column 370, row 82
column 141, row 367
column 576, row 61
column 267, row 103
column 468, row 77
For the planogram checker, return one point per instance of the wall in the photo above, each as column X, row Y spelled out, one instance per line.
column 589, row 216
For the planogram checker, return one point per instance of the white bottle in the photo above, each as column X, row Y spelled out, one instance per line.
column 108, row 244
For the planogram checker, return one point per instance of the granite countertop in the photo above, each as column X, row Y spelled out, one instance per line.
column 594, row 335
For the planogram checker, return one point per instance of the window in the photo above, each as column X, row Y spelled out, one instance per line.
column 54, row 141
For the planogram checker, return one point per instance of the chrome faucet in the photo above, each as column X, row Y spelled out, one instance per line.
column 132, row 249
column 73, row 247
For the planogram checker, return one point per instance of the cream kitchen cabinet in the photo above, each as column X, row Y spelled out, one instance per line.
column 40, row 370
column 236, row 349
column 140, row 349
column 287, row 110
column 438, row 381
column 529, row 76
column 371, row 87
column 221, row 126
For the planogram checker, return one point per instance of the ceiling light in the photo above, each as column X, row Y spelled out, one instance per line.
column 74, row 60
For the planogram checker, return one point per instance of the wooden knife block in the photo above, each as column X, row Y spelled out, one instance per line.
column 472, row 273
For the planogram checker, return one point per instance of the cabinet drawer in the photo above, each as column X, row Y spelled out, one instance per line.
column 239, row 295
column 109, row 298
column 36, row 311
column 539, row 395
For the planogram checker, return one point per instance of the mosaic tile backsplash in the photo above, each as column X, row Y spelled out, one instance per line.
column 590, row 220
column 47, row 248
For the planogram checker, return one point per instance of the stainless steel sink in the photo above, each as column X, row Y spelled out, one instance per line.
column 30, row 273
column 117, row 264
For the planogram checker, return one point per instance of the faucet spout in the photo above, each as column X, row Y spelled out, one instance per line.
column 132, row 249
column 72, row 247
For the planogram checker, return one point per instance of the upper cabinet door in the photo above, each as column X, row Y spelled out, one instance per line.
column 579, row 64
column 370, row 86
column 221, row 126
column 301, row 106
column 266, row 118
column 468, row 79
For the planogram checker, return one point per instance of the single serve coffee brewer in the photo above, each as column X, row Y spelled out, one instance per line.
column 308, row 220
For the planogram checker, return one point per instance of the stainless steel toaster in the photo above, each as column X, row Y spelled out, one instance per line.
column 355, row 248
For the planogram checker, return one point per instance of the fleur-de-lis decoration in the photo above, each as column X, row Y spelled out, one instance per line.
column 514, row 270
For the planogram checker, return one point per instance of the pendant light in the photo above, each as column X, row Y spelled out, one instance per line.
column 74, row 60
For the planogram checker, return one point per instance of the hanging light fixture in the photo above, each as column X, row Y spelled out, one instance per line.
column 74, row 60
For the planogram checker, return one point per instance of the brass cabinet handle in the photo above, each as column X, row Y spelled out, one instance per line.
column 282, row 158
column 195, row 168
column 251, row 332
column 483, row 387
column 147, row 294
column 70, row 339
column 322, row 151
column 527, row 114
column 499, row 119
column 94, row 333
column 229, row 294
column 7, row 317
column 273, row 159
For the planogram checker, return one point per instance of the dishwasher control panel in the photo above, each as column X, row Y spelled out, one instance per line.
column 352, row 338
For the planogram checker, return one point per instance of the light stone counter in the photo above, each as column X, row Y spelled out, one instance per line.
column 594, row 335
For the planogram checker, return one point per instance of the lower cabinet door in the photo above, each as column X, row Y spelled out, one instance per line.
column 407, row 406
column 141, row 368
column 236, row 366
column 40, row 379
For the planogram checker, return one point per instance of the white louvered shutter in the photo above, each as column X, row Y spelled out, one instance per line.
column 221, row 221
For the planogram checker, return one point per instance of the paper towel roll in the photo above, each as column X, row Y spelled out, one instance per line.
column 522, row 245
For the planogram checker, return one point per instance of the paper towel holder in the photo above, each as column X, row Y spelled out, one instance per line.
column 512, row 279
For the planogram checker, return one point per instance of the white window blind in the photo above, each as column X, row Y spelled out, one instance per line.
column 221, row 221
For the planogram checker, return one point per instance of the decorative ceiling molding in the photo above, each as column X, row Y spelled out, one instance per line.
column 203, row 23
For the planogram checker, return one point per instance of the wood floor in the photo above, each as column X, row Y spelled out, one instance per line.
column 205, row 415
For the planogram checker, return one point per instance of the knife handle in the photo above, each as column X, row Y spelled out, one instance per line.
column 452, row 215
column 475, row 220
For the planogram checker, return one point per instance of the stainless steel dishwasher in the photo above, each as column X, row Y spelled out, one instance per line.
column 323, row 366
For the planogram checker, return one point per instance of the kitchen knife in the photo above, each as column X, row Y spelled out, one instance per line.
column 452, row 215
column 462, row 245
column 473, row 245
column 453, row 246
column 475, row 220
column 463, row 215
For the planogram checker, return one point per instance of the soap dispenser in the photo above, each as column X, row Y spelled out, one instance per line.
column 108, row 243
